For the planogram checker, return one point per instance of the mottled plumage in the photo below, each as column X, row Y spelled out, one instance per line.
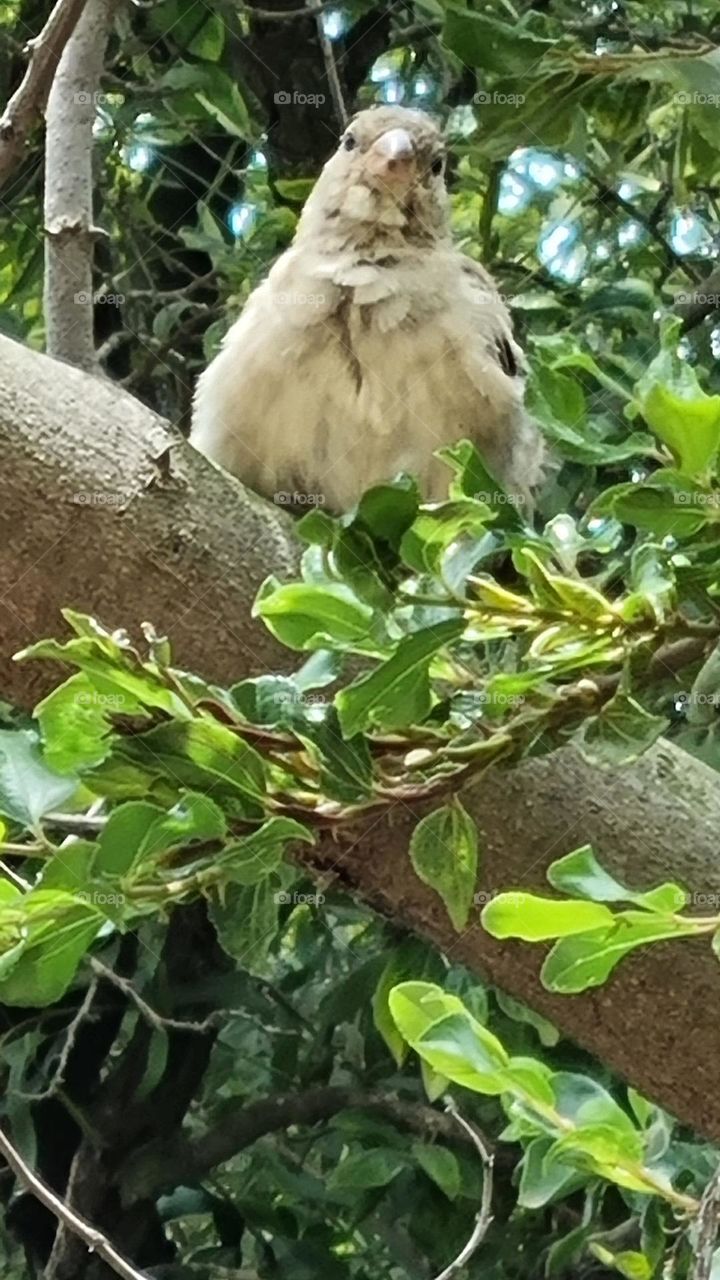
column 372, row 341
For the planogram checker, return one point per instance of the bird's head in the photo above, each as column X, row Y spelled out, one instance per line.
column 387, row 174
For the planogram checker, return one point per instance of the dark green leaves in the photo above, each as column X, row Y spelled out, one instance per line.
column 398, row 692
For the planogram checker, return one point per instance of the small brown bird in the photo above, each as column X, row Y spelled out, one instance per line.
column 372, row 342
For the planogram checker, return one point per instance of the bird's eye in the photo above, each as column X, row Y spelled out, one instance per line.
column 437, row 166
column 349, row 142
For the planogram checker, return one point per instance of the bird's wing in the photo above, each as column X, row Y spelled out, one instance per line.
column 497, row 325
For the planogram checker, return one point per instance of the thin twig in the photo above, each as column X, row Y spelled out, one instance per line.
column 484, row 1215
column 30, row 98
column 707, row 1228
column 330, row 66
column 58, row 1078
column 151, row 1015
column 95, row 1241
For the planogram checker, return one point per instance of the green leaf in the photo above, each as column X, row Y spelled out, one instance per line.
column 411, row 959
column 387, row 510
column 542, row 1181
column 366, row 1169
column 210, row 39
column 534, row 919
column 587, row 960
column 620, row 733
column 473, row 480
column 28, row 788
column 581, row 873
column 246, row 920
column 483, row 41
column 424, row 544
column 447, row 1037
column 75, row 725
column 629, row 1263
column 441, row 1166
column 397, row 692
column 444, row 854
column 251, row 859
column 199, row 755
column 676, row 408
column 659, row 509
column 345, row 763
column 59, row 930
column 308, row 616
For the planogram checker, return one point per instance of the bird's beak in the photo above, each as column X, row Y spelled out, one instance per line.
column 391, row 159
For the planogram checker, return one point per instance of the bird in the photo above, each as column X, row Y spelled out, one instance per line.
column 372, row 342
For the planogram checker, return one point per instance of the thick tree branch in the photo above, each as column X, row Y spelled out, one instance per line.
column 179, row 1160
column 29, row 99
column 85, row 522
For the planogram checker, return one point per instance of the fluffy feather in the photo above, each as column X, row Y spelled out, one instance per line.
column 372, row 341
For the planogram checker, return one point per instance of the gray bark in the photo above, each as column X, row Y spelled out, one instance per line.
column 69, row 229
column 80, row 526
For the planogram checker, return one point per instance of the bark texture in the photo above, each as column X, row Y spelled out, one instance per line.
column 88, row 520
column 69, row 231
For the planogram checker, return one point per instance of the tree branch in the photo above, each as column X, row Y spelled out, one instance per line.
column 707, row 1229
column 93, row 1239
column 29, row 99
column 169, row 1162
column 82, row 524
column 484, row 1215
column 69, row 229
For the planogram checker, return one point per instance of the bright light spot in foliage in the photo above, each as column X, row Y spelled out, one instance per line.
column 560, row 251
column 715, row 342
column 462, row 121
column 602, row 250
column 257, row 160
column 630, row 234
column 563, row 528
column 596, row 524
column 638, row 474
column 138, row 157
column 687, row 233
column 392, row 91
column 383, row 69
column 515, row 194
column 544, row 170
column 422, row 87
column 241, row 218
column 334, row 23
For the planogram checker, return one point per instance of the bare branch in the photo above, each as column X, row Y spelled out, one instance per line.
column 330, row 67
column 95, row 1241
column 155, row 1019
column 484, row 1214
column 58, row 1078
column 29, row 99
column 69, row 230
column 706, row 1227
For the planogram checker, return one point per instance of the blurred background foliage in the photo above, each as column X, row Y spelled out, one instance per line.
column 584, row 142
